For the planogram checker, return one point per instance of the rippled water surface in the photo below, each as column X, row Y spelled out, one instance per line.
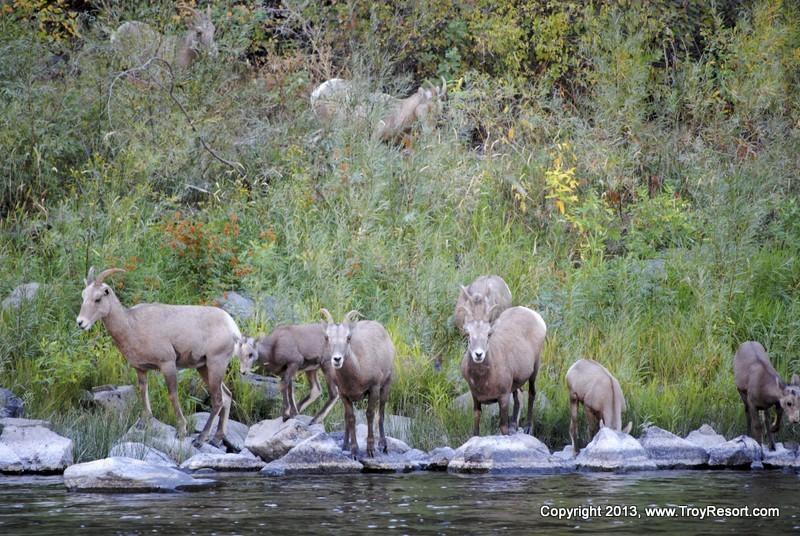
column 422, row 503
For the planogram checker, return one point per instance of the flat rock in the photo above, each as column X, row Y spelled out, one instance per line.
column 223, row 462
column 127, row 475
column 113, row 397
column 164, row 438
column 10, row 405
column 518, row 453
column 705, row 437
column 614, row 451
column 9, row 461
column 319, row 454
column 235, row 432
column 273, row 438
column 140, row 451
column 22, row 293
column 37, row 448
column 439, row 458
column 670, row 451
column 411, row 460
column 740, row 452
column 780, row 458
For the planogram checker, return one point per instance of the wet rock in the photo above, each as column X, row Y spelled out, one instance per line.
column 738, row 453
column 127, row 475
column 35, row 448
column 235, row 432
column 10, row 405
column 439, row 458
column 395, row 425
column 273, row 438
column 22, row 293
column 117, row 398
column 238, row 306
column 164, row 438
column 518, row 453
column 223, row 462
column 780, row 458
column 140, row 451
column 670, row 451
column 705, row 437
column 319, row 454
column 395, row 462
column 614, row 451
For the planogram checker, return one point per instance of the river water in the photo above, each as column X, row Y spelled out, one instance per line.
column 421, row 503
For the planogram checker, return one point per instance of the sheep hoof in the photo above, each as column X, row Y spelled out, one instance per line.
column 198, row 443
column 217, row 442
column 230, row 446
column 383, row 446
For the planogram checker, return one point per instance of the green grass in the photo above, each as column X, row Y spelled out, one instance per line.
column 660, row 289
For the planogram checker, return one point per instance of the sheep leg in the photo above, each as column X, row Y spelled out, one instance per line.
column 502, row 402
column 515, row 412
column 382, row 445
column 531, row 398
column 775, row 427
column 743, row 395
column 333, row 395
column 372, row 401
column 313, row 394
column 147, row 413
column 476, row 426
column 592, row 422
column 170, row 372
column 287, row 390
column 350, row 441
column 776, row 424
column 213, row 381
column 222, row 427
column 573, row 423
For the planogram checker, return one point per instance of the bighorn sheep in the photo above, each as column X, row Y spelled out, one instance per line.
column 285, row 352
column 487, row 293
column 422, row 107
column 155, row 336
column 139, row 42
column 761, row 388
column 500, row 358
column 592, row 384
column 362, row 355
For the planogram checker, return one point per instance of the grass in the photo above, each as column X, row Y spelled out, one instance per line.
column 661, row 287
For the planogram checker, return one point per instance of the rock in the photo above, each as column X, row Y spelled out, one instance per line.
column 273, row 438
column 22, row 293
column 127, row 475
column 614, row 451
column 38, row 449
column 10, row 405
column 223, row 462
column 9, row 461
column 238, row 306
column 235, row 432
column 566, row 454
column 271, row 387
column 464, row 403
column 164, row 438
column 117, row 398
column 439, row 458
column 670, row 451
column 740, row 452
column 278, row 310
column 780, row 458
column 518, row 453
column 705, row 437
column 319, row 454
column 395, row 425
column 393, row 462
column 140, row 451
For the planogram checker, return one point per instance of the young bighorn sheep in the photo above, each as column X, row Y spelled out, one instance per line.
column 591, row 384
column 362, row 355
column 500, row 358
column 139, row 42
column 422, row 107
column 285, row 352
column 487, row 293
column 761, row 388
column 155, row 336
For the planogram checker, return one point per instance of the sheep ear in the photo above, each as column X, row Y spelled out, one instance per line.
column 795, row 380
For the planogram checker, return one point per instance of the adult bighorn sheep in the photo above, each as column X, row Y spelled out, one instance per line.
column 591, row 384
column 422, row 107
column 155, row 336
column 761, row 388
column 285, row 352
column 500, row 358
column 488, row 293
column 362, row 355
column 139, row 42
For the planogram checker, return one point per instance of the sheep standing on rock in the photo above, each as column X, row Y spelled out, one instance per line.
column 362, row 355
column 592, row 384
column 484, row 299
column 285, row 352
column 761, row 388
column 155, row 336
column 500, row 358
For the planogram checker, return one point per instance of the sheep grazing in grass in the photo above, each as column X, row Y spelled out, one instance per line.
column 591, row 384
column 285, row 352
column 155, row 336
column 761, row 388
column 139, row 42
column 362, row 356
column 484, row 299
column 500, row 358
column 422, row 107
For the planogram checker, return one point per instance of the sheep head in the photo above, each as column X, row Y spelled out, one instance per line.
column 245, row 349
column 96, row 298
column 201, row 30
column 479, row 332
column 790, row 400
column 337, row 336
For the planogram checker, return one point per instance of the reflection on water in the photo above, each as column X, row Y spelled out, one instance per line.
column 404, row 504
